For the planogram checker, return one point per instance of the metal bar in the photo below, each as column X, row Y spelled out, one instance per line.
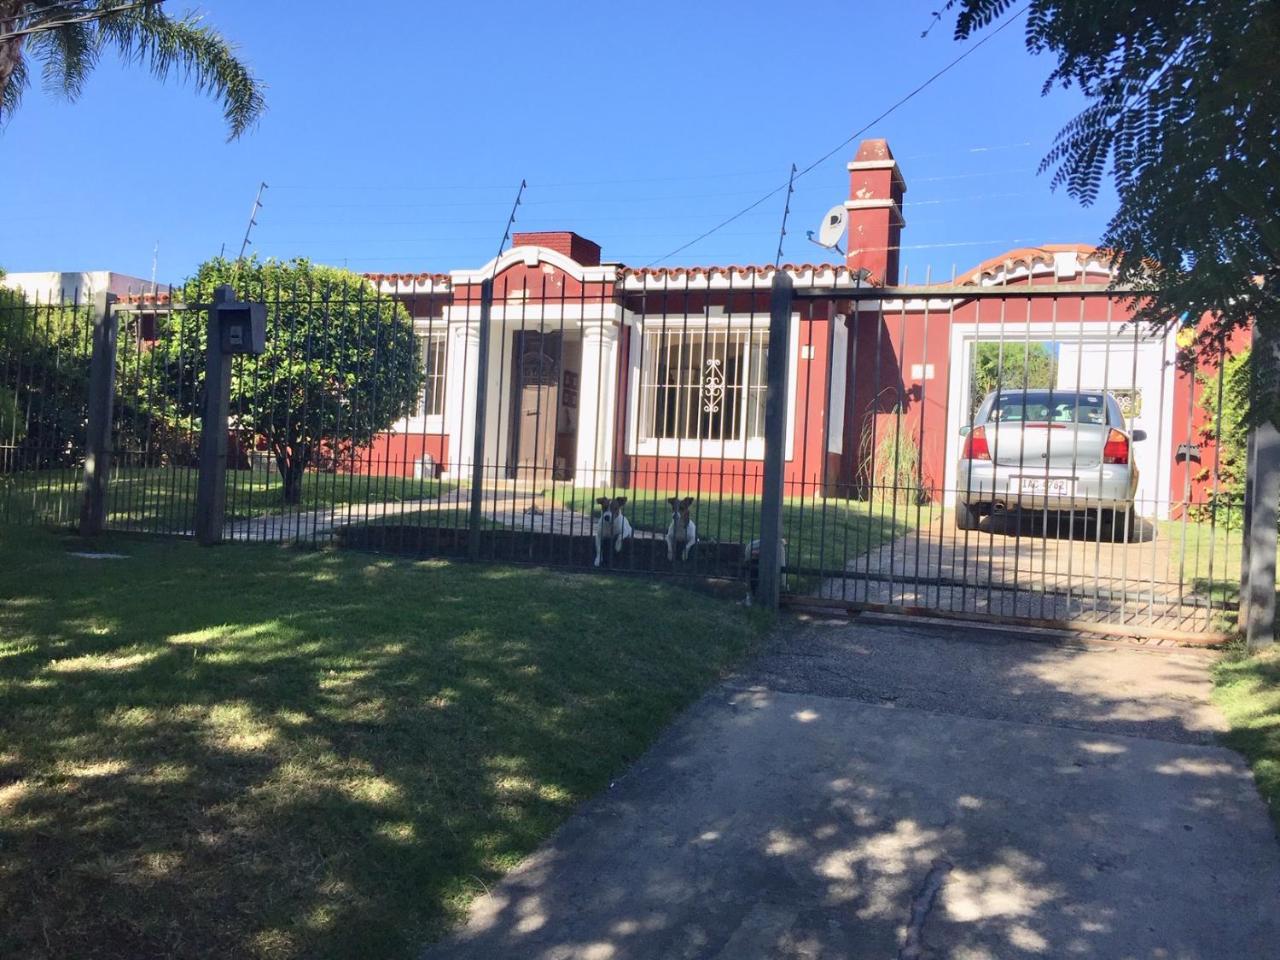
column 1198, row 639
column 964, row 292
column 477, row 449
column 775, row 440
column 102, row 386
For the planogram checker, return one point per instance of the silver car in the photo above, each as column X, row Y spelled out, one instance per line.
column 1059, row 450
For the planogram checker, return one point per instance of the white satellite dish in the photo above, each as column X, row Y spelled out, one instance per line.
column 833, row 226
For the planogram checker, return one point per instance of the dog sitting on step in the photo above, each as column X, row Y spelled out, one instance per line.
column 682, row 531
column 612, row 525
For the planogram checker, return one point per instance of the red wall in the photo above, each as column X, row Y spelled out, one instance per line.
column 395, row 454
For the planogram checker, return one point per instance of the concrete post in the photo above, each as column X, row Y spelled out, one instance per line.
column 481, row 412
column 775, row 440
column 1263, row 493
column 598, row 389
column 102, row 390
column 211, row 488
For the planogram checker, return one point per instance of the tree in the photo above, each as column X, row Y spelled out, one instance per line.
column 1184, row 113
column 44, row 382
column 1015, row 365
column 341, row 363
column 66, row 37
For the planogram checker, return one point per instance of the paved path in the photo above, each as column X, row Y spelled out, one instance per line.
column 514, row 509
column 1044, row 570
column 880, row 791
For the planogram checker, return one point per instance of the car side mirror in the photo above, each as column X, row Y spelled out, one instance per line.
column 1139, row 435
column 964, row 431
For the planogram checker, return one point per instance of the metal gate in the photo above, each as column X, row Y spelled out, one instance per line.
column 1025, row 454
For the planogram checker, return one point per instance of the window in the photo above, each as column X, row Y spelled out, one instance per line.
column 703, row 385
column 432, row 348
column 1048, row 407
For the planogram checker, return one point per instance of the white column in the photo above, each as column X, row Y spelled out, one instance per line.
column 597, row 404
column 460, row 399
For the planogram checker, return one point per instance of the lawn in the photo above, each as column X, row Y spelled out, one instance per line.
column 822, row 535
column 264, row 751
column 1248, row 690
column 163, row 499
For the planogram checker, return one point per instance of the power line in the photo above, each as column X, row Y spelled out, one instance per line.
column 99, row 14
column 848, row 140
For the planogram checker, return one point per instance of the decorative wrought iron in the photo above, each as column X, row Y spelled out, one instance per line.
column 712, row 386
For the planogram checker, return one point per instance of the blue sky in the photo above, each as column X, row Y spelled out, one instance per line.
column 397, row 133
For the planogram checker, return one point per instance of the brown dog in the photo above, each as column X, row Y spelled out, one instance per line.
column 682, row 530
column 612, row 525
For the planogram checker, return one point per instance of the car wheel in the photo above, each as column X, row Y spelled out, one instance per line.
column 966, row 516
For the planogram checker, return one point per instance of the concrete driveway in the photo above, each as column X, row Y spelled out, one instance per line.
column 880, row 790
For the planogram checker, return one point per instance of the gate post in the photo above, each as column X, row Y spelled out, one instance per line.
column 102, row 389
column 1262, row 491
column 775, row 439
column 211, row 485
column 481, row 412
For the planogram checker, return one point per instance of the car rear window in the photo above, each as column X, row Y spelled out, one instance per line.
column 1047, row 407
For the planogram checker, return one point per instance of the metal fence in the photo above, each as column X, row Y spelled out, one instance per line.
column 1028, row 455
column 1025, row 453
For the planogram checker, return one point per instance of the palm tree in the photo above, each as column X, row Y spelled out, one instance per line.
column 66, row 37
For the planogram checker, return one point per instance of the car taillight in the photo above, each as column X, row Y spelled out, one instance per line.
column 1116, row 449
column 975, row 445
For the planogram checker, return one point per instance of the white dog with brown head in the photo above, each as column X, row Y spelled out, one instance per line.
column 682, row 532
column 612, row 525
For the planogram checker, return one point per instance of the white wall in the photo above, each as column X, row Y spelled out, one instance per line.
column 71, row 286
column 1095, row 356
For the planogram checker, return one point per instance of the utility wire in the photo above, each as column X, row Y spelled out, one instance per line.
column 848, row 140
column 98, row 14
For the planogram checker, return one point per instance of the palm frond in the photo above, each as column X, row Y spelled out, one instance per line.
column 197, row 52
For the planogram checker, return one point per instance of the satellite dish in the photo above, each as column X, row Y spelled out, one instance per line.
column 833, row 226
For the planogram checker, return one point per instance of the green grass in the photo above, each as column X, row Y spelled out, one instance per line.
column 1248, row 690
column 820, row 533
column 163, row 499
column 270, row 752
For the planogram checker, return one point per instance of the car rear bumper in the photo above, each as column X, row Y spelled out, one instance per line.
column 1109, row 487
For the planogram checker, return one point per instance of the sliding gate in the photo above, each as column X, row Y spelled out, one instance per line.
column 1023, row 454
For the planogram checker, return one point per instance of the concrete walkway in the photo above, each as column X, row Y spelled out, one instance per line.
column 870, row 790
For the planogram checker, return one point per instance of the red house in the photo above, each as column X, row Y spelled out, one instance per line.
column 608, row 375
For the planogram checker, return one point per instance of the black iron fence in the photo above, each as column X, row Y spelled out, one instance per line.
column 1018, row 453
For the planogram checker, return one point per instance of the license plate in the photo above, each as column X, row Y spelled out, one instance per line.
column 1044, row 487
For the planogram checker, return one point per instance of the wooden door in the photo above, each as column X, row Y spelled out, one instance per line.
column 535, row 403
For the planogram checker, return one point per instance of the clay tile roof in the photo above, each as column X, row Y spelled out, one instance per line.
column 1029, row 256
column 408, row 279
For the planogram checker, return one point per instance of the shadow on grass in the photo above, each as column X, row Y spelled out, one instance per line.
column 271, row 752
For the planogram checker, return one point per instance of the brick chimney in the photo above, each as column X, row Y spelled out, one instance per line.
column 579, row 249
column 875, row 211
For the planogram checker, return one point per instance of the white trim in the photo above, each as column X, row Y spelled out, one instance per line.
column 513, row 311
column 825, row 275
column 878, row 204
column 837, row 374
column 871, row 164
column 1070, row 333
column 531, row 256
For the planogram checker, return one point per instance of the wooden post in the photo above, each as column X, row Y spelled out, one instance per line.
column 102, row 390
column 481, row 409
column 211, row 488
column 1258, row 587
column 775, row 440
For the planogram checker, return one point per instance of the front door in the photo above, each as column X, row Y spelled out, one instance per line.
column 535, row 379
